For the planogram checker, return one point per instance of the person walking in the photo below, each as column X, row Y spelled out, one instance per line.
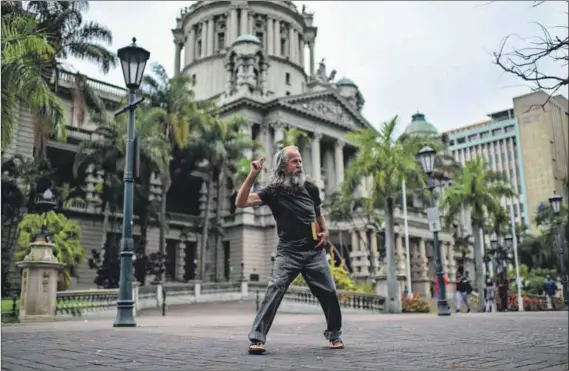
column 550, row 288
column 463, row 289
column 490, row 295
column 303, row 233
column 503, row 288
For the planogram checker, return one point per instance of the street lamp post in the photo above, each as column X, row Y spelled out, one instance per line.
column 426, row 158
column 44, row 203
column 555, row 201
column 133, row 61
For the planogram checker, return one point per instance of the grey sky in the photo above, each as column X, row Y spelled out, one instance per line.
column 405, row 56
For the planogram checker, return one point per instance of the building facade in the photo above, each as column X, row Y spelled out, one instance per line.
column 496, row 141
column 528, row 144
column 544, row 143
column 249, row 56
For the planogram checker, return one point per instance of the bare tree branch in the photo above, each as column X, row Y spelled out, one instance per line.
column 528, row 62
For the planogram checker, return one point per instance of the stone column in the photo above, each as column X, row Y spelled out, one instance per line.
column 270, row 36
column 374, row 253
column 311, row 47
column 301, row 51
column 277, row 38
column 354, row 257
column 180, row 262
column 423, row 260
column 400, row 255
column 39, row 283
column 203, row 38
column 444, row 252
column 210, row 25
column 177, row 56
column 339, row 162
column 279, row 135
column 316, row 166
column 291, row 53
column 451, row 269
column 265, row 140
column 243, row 30
column 234, row 26
column 421, row 284
column 248, row 131
column 190, row 47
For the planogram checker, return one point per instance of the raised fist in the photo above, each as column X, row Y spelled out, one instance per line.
column 257, row 166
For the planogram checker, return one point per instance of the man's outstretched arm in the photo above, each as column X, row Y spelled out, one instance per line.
column 244, row 196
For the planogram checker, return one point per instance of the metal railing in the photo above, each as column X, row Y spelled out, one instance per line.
column 11, row 306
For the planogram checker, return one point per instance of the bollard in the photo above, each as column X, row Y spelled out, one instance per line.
column 15, row 306
column 257, row 301
column 163, row 301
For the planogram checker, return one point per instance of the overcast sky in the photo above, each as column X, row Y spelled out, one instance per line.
column 430, row 56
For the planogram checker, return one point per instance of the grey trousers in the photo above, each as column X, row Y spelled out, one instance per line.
column 314, row 267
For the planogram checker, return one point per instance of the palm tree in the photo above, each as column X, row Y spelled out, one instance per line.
column 109, row 150
column 69, row 37
column 66, row 234
column 25, row 53
column 221, row 143
column 176, row 112
column 293, row 137
column 388, row 162
column 480, row 190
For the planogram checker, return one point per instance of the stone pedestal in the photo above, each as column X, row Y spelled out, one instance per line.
column 39, row 283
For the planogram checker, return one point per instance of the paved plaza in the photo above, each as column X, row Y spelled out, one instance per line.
column 214, row 336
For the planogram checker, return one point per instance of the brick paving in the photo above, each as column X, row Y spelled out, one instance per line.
column 214, row 336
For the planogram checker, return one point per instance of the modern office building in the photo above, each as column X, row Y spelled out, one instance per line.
column 497, row 142
column 528, row 144
column 544, row 144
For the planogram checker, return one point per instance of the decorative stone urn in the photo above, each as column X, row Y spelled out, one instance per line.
column 38, row 298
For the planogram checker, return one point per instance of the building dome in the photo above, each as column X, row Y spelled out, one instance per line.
column 419, row 126
column 247, row 38
column 345, row 82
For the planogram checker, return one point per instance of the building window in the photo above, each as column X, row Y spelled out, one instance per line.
column 511, row 173
column 497, row 131
column 194, row 81
column 220, row 41
column 460, row 140
column 261, row 37
column 199, row 49
column 451, row 142
column 284, row 51
column 288, row 93
column 515, row 211
column 472, row 138
column 509, row 129
column 484, row 135
column 287, row 78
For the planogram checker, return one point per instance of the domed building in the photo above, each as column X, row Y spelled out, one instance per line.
column 256, row 59
column 419, row 126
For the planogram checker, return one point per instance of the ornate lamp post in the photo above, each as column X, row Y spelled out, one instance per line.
column 133, row 61
column 426, row 158
column 555, row 201
column 45, row 203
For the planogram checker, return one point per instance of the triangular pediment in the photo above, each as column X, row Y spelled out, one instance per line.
column 327, row 106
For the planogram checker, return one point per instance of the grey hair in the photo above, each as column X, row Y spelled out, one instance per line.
column 280, row 162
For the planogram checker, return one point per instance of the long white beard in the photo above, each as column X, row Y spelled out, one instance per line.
column 294, row 182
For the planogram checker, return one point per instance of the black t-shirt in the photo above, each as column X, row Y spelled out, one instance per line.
column 293, row 211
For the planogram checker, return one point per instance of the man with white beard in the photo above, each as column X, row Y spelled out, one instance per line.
column 303, row 234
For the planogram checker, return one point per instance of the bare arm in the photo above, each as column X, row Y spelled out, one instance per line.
column 244, row 197
column 322, row 223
